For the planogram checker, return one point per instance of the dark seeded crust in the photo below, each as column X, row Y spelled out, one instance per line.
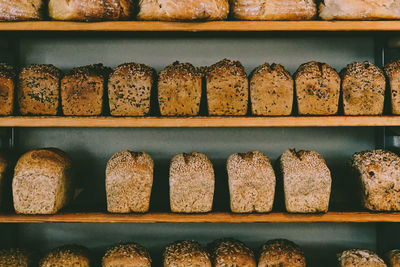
column 7, row 71
column 129, row 254
column 186, row 253
column 392, row 71
column 281, row 252
column 359, row 257
column 16, row 257
column 7, row 88
column 228, row 252
column 67, row 255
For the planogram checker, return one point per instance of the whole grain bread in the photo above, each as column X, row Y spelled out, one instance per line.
column 360, row 258
column 7, row 89
column 392, row 71
column 186, row 254
column 228, row 252
column 17, row 10
column 393, row 258
column 281, row 252
column 16, row 257
column 68, row 255
column 126, row 255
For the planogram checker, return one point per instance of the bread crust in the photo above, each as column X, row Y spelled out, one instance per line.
column 127, row 255
column 68, row 255
column 393, row 258
column 281, row 252
column 19, row 10
column 7, row 89
column 186, row 254
column 359, row 258
column 229, row 252
column 392, row 71
column 16, row 257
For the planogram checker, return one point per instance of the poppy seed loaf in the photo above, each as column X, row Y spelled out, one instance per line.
column 129, row 180
column 186, row 254
column 68, row 255
column 18, row 10
column 126, row 255
column 228, row 252
column 251, row 182
column 7, row 89
column 392, row 71
column 281, row 252
column 16, row 257
column 42, row 182
column 271, row 91
column 179, row 90
column 191, row 183
column 393, row 258
column 360, row 258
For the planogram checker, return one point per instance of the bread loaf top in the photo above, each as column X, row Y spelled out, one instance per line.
column 291, row 159
column 231, row 252
column 88, row 71
column 392, row 68
column 135, row 252
column 354, row 257
column 379, row 157
column 282, row 250
column 66, row 256
column 180, row 253
column 133, row 69
column 129, row 158
column 362, row 70
column 21, row 9
column 278, row 68
column 225, row 67
column 16, row 257
column 313, row 67
column 393, row 257
column 179, row 70
column 194, row 161
column 7, row 71
column 42, row 69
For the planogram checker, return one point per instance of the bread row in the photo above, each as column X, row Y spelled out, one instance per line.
column 179, row 10
column 270, row 90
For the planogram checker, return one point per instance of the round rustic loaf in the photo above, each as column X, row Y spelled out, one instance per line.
column 16, row 257
column 228, row 252
column 186, row 254
column 68, row 255
column 393, row 258
column 127, row 255
column 281, row 252
column 360, row 258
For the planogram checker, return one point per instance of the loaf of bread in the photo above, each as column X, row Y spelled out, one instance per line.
column 126, row 255
column 15, row 10
column 363, row 86
column 393, row 258
column 271, row 91
column 392, row 71
column 3, row 174
column 129, row 89
column 306, row 181
column 39, row 90
column 68, row 255
column 251, row 179
column 16, row 257
column 360, row 258
column 90, row 10
column 42, row 182
column 83, row 90
column 281, row 252
column 186, row 254
column 182, row 10
column 191, row 183
column 317, row 89
column 227, row 89
column 179, row 90
column 359, row 9
column 228, row 252
column 129, row 180
column 273, row 9
column 379, row 179
column 7, row 89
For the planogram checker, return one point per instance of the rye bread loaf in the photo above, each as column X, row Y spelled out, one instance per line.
column 65, row 256
column 363, row 86
column 393, row 258
column 360, row 258
column 191, row 183
column 179, row 90
column 17, row 10
column 228, row 252
column 16, row 257
column 392, row 71
column 7, row 89
column 129, row 180
column 129, row 89
column 281, row 252
column 317, row 89
column 3, row 174
column 271, row 91
column 306, row 181
column 126, row 255
column 186, row 254
column 252, row 181
column 227, row 89
column 42, row 182
column 39, row 90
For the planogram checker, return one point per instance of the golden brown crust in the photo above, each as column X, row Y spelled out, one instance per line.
column 7, row 88
column 281, row 252
column 393, row 258
column 228, row 252
column 126, row 255
column 68, row 255
column 16, row 257
column 18, row 10
column 186, row 254
column 392, row 71
column 360, row 257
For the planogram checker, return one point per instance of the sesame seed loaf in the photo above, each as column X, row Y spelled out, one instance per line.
column 129, row 180
column 281, row 252
column 271, row 91
column 83, row 90
column 392, row 71
column 7, row 88
column 129, row 89
column 186, row 254
column 378, row 172
column 17, row 10
column 228, row 252
column 227, row 89
column 66, row 256
column 126, row 255
column 179, row 90
column 3, row 170
column 359, row 258
column 363, row 86
column 393, row 258
column 39, row 90
column 251, row 179
column 306, row 181
column 16, row 257
column 42, row 182
column 317, row 89
column 191, row 183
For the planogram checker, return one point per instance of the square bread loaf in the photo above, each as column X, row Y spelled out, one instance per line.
column 129, row 180
column 16, row 257
column 191, row 183
column 186, row 254
column 228, row 252
column 129, row 89
column 281, row 252
column 7, row 89
column 378, row 173
column 39, row 90
column 179, row 90
column 393, row 258
column 42, row 182
column 251, row 181
column 17, row 10
column 83, row 90
column 306, row 181
column 360, row 257
column 317, row 89
column 392, row 71
column 227, row 89
column 126, row 255
column 68, row 255
column 363, row 86
column 271, row 91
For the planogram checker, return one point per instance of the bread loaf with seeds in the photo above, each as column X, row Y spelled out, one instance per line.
column 126, row 255
column 360, row 257
column 7, row 89
column 68, row 255
column 281, row 252
column 16, row 257
column 392, row 71
column 129, row 89
column 179, row 90
column 18, row 10
column 186, row 254
column 228, row 252
column 393, row 258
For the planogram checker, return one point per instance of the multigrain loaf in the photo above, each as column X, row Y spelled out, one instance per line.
column 281, row 252
column 271, row 91
column 392, row 71
column 306, row 181
column 186, row 254
column 16, row 10
column 179, row 90
column 393, row 258
column 317, row 89
column 378, row 173
column 273, row 9
column 42, row 182
column 191, row 183
column 228, row 252
column 3, row 174
column 39, row 90
column 360, row 258
column 129, row 89
column 129, row 180
column 126, row 255
column 7, row 89
column 363, row 86
column 16, row 257
column 252, row 181
column 66, row 256
column 227, row 89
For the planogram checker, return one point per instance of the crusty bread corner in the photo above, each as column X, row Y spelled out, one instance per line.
column 179, row 70
column 359, row 257
column 7, row 71
column 186, row 253
column 392, row 71
column 393, row 257
column 231, row 252
column 225, row 66
column 281, row 252
column 19, row 10
column 68, row 255
column 133, row 69
column 131, row 254
column 16, row 257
